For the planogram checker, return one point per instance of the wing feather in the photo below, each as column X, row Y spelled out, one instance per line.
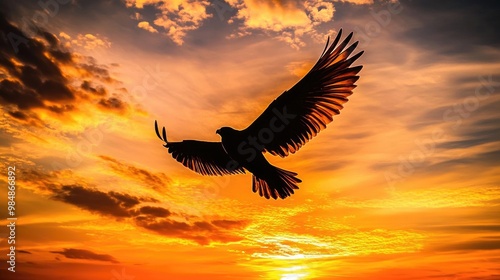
column 313, row 101
column 206, row 158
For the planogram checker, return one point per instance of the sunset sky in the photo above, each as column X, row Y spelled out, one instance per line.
column 403, row 184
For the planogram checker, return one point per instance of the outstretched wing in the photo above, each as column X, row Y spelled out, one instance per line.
column 303, row 111
column 206, row 158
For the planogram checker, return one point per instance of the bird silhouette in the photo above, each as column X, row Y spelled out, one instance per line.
column 291, row 120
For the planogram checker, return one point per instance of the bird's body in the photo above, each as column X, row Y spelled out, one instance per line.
column 287, row 124
column 268, row 180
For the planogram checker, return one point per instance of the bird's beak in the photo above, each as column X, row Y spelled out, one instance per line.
column 218, row 131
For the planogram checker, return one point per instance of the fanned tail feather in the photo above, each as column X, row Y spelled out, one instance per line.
column 279, row 183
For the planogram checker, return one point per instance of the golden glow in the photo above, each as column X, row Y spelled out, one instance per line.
column 98, row 179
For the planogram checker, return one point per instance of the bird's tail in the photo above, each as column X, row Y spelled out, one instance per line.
column 276, row 183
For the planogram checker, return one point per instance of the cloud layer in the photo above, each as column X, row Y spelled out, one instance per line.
column 45, row 81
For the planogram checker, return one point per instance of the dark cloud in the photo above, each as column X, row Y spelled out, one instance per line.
column 153, row 211
column 473, row 245
column 13, row 93
column 51, row 39
column 18, row 115
column 465, row 228
column 112, row 103
column 61, row 109
column 82, row 254
column 98, row 90
column 145, row 212
column 228, row 224
column 155, row 218
column 55, row 91
column 105, row 203
column 460, row 144
column 23, row 252
column 62, row 56
column 95, row 70
column 201, row 232
column 33, row 77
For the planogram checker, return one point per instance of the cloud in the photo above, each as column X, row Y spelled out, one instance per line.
column 129, row 208
column 465, row 228
column 288, row 21
column 489, row 159
column 153, row 211
column 144, row 211
column 201, row 232
column 480, row 128
column 146, row 26
column 291, row 21
column 41, row 78
column 227, row 224
column 113, row 104
column 473, row 245
column 320, row 11
column 87, row 41
column 456, row 197
column 154, row 218
column 158, row 181
column 82, row 254
column 96, row 90
column 111, row 203
column 64, row 36
column 24, row 252
column 361, row 2
column 176, row 18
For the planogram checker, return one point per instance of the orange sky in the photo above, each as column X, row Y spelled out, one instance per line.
column 403, row 184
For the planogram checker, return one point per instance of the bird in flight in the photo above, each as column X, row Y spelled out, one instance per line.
column 291, row 120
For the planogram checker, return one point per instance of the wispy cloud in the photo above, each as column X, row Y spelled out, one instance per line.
column 105, row 203
column 158, row 181
column 82, row 254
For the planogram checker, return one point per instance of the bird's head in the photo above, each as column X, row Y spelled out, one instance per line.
column 223, row 131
